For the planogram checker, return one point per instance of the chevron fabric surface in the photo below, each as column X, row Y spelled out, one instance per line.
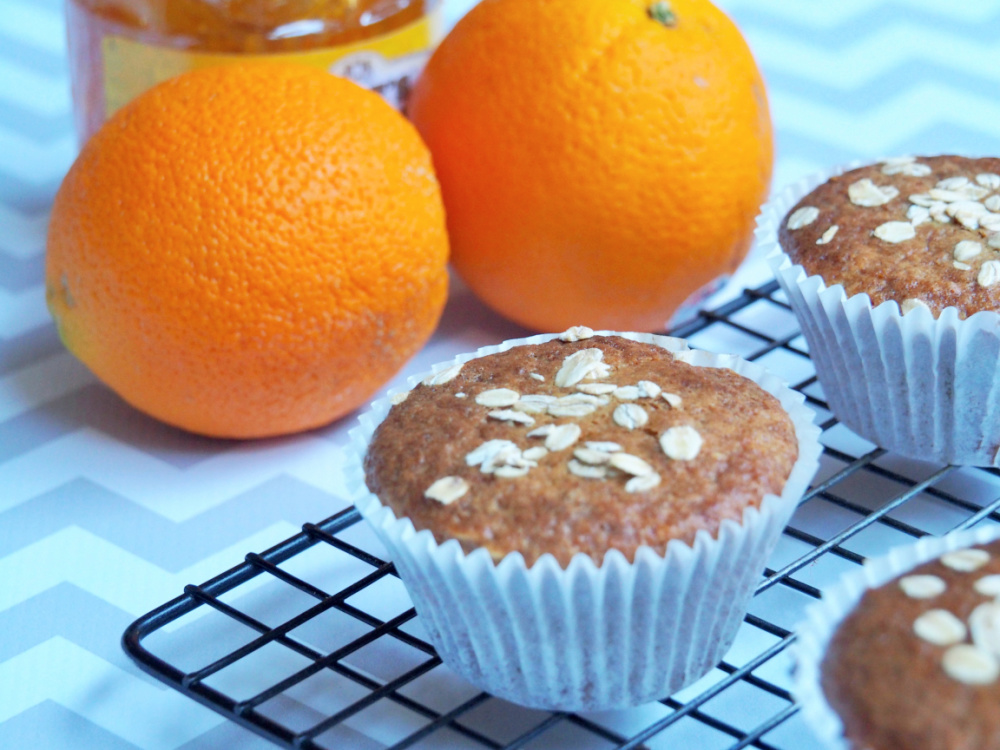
column 105, row 514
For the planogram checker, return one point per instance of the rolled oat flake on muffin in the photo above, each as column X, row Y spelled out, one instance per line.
column 867, row 194
column 895, row 231
column 802, row 217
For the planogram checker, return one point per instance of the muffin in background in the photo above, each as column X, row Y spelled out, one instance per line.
column 905, row 654
column 545, row 576
column 893, row 271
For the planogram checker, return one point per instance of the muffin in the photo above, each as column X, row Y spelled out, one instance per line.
column 893, row 270
column 580, row 519
column 920, row 628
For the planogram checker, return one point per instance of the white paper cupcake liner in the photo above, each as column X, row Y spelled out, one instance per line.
column 821, row 620
column 922, row 387
column 589, row 637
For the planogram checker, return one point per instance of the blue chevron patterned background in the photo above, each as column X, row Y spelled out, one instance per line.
column 105, row 514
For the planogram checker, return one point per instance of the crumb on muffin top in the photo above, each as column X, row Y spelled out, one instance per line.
column 924, row 232
column 580, row 444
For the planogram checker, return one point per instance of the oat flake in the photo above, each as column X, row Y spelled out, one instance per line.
column 905, row 165
column 630, row 416
column 952, row 183
column 510, row 472
column 989, row 273
column 918, row 215
column 967, row 250
column 828, row 235
column 534, row 403
column 961, row 266
column 444, row 376
column 596, row 389
column 591, row 457
column 970, row 665
column 867, row 194
column 510, row 415
column 912, row 170
column 939, row 627
column 586, row 472
column 681, row 443
column 895, row 231
column 910, row 305
column 642, row 483
column 988, row 585
column 397, row 398
column 984, row 626
column 490, row 450
column 576, row 333
column 605, row 446
column 535, row 454
column 578, row 366
column 570, row 411
column 990, row 221
column 673, row 399
column 626, row 393
column 922, row 586
column 994, row 241
column 630, row 464
column 802, row 217
column 498, row 397
column 922, row 199
column 649, row 389
column 989, row 180
column 447, row 490
column 562, row 436
column 537, row 376
column 965, row 560
column 992, row 203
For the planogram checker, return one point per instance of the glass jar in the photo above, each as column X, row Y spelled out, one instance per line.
column 120, row 48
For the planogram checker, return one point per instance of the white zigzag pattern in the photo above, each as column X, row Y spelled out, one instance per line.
column 894, row 120
column 33, row 92
column 127, row 581
column 40, row 383
column 23, row 237
column 41, row 28
column 21, row 312
column 871, row 56
column 36, row 163
column 175, row 494
column 60, row 671
column 823, row 15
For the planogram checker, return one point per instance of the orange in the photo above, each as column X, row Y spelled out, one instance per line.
column 248, row 251
column 600, row 160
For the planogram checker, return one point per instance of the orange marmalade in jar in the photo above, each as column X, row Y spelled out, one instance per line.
column 120, row 48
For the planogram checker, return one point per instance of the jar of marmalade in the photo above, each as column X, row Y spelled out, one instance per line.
column 120, row 48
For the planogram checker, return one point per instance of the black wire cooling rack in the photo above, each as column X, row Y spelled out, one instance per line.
column 314, row 643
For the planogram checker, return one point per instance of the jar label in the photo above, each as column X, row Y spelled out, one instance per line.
column 387, row 64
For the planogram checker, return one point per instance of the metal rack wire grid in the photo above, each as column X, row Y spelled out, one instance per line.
column 314, row 643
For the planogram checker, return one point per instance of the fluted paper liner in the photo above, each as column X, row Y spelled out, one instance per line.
column 589, row 637
column 821, row 620
column 922, row 387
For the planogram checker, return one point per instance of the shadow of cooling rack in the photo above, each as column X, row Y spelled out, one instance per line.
column 314, row 643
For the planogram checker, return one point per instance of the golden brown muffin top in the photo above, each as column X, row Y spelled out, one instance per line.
column 915, row 665
column 920, row 231
column 579, row 446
